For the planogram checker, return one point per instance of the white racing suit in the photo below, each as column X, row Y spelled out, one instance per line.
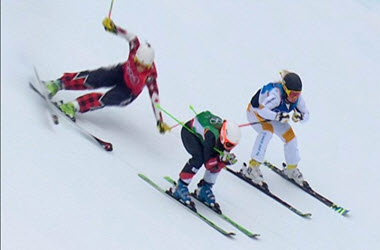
column 264, row 106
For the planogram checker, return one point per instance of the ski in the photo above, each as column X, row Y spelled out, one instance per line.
column 229, row 220
column 54, row 110
column 269, row 193
column 192, row 209
column 306, row 187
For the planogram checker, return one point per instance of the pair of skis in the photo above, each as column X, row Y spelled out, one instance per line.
column 56, row 113
column 202, row 217
column 305, row 187
column 263, row 188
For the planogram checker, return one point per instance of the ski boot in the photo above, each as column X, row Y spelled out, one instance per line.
column 181, row 193
column 68, row 109
column 293, row 173
column 52, row 87
column 204, row 194
column 253, row 173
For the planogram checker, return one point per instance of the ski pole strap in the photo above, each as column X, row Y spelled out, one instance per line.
column 176, row 125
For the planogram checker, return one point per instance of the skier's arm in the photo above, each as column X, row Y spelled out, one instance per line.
column 210, row 156
column 110, row 26
column 155, row 99
column 269, row 103
column 302, row 109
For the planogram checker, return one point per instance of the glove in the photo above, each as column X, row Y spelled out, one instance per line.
column 109, row 25
column 163, row 127
column 296, row 117
column 282, row 117
column 214, row 165
column 228, row 158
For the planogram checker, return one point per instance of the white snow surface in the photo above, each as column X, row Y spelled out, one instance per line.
column 60, row 191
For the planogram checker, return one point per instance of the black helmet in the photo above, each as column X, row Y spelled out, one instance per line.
column 292, row 81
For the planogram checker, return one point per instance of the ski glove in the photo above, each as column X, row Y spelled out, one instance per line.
column 228, row 158
column 163, row 127
column 282, row 117
column 109, row 25
column 296, row 117
column 214, row 165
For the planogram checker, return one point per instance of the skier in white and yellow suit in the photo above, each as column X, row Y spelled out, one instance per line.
column 269, row 111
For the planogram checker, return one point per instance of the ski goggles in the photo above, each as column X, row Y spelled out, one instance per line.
column 291, row 93
column 229, row 145
column 147, row 66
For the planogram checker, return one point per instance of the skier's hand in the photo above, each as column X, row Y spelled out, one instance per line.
column 282, row 117
column 214, row 165
column 109, row 25
column 296, row 117
column 163, row 127
column 228, row 158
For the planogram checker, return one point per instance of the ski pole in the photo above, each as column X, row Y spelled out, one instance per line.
column 192, row 109
column 175, row 119
column 252, row 123
column 183, row 125
column 109, row 13
column 241, row 125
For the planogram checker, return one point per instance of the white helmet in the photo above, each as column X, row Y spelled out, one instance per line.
column 145, row 54
column 229, row 135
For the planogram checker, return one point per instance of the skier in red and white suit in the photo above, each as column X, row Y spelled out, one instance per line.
column 126, row 80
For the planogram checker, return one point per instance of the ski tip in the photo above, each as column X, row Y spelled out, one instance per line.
column 345, row 213
column 142, row 176
column 169, row 179
column 230, row 234
column 340, row 209
column 254, row 236
column 55, row 119
column 108, row 147
column 306, row 215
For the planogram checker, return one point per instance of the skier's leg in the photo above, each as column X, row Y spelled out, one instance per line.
column 265, row 133
column 285, row 132
column 292, row 157
column 119, row 95
column 195, row 148
column 92, row 79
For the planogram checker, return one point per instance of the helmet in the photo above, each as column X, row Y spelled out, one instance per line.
column 145, row 54
column 292, row 85
column 292, row 81
column 229, row 135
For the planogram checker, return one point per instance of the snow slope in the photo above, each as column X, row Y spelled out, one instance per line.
column 59, row 191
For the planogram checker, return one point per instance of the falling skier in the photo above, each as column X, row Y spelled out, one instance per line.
column 126, row 80
column 203, row 136
column 269, row 111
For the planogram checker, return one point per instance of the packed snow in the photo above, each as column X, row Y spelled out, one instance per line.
column 61, row 191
